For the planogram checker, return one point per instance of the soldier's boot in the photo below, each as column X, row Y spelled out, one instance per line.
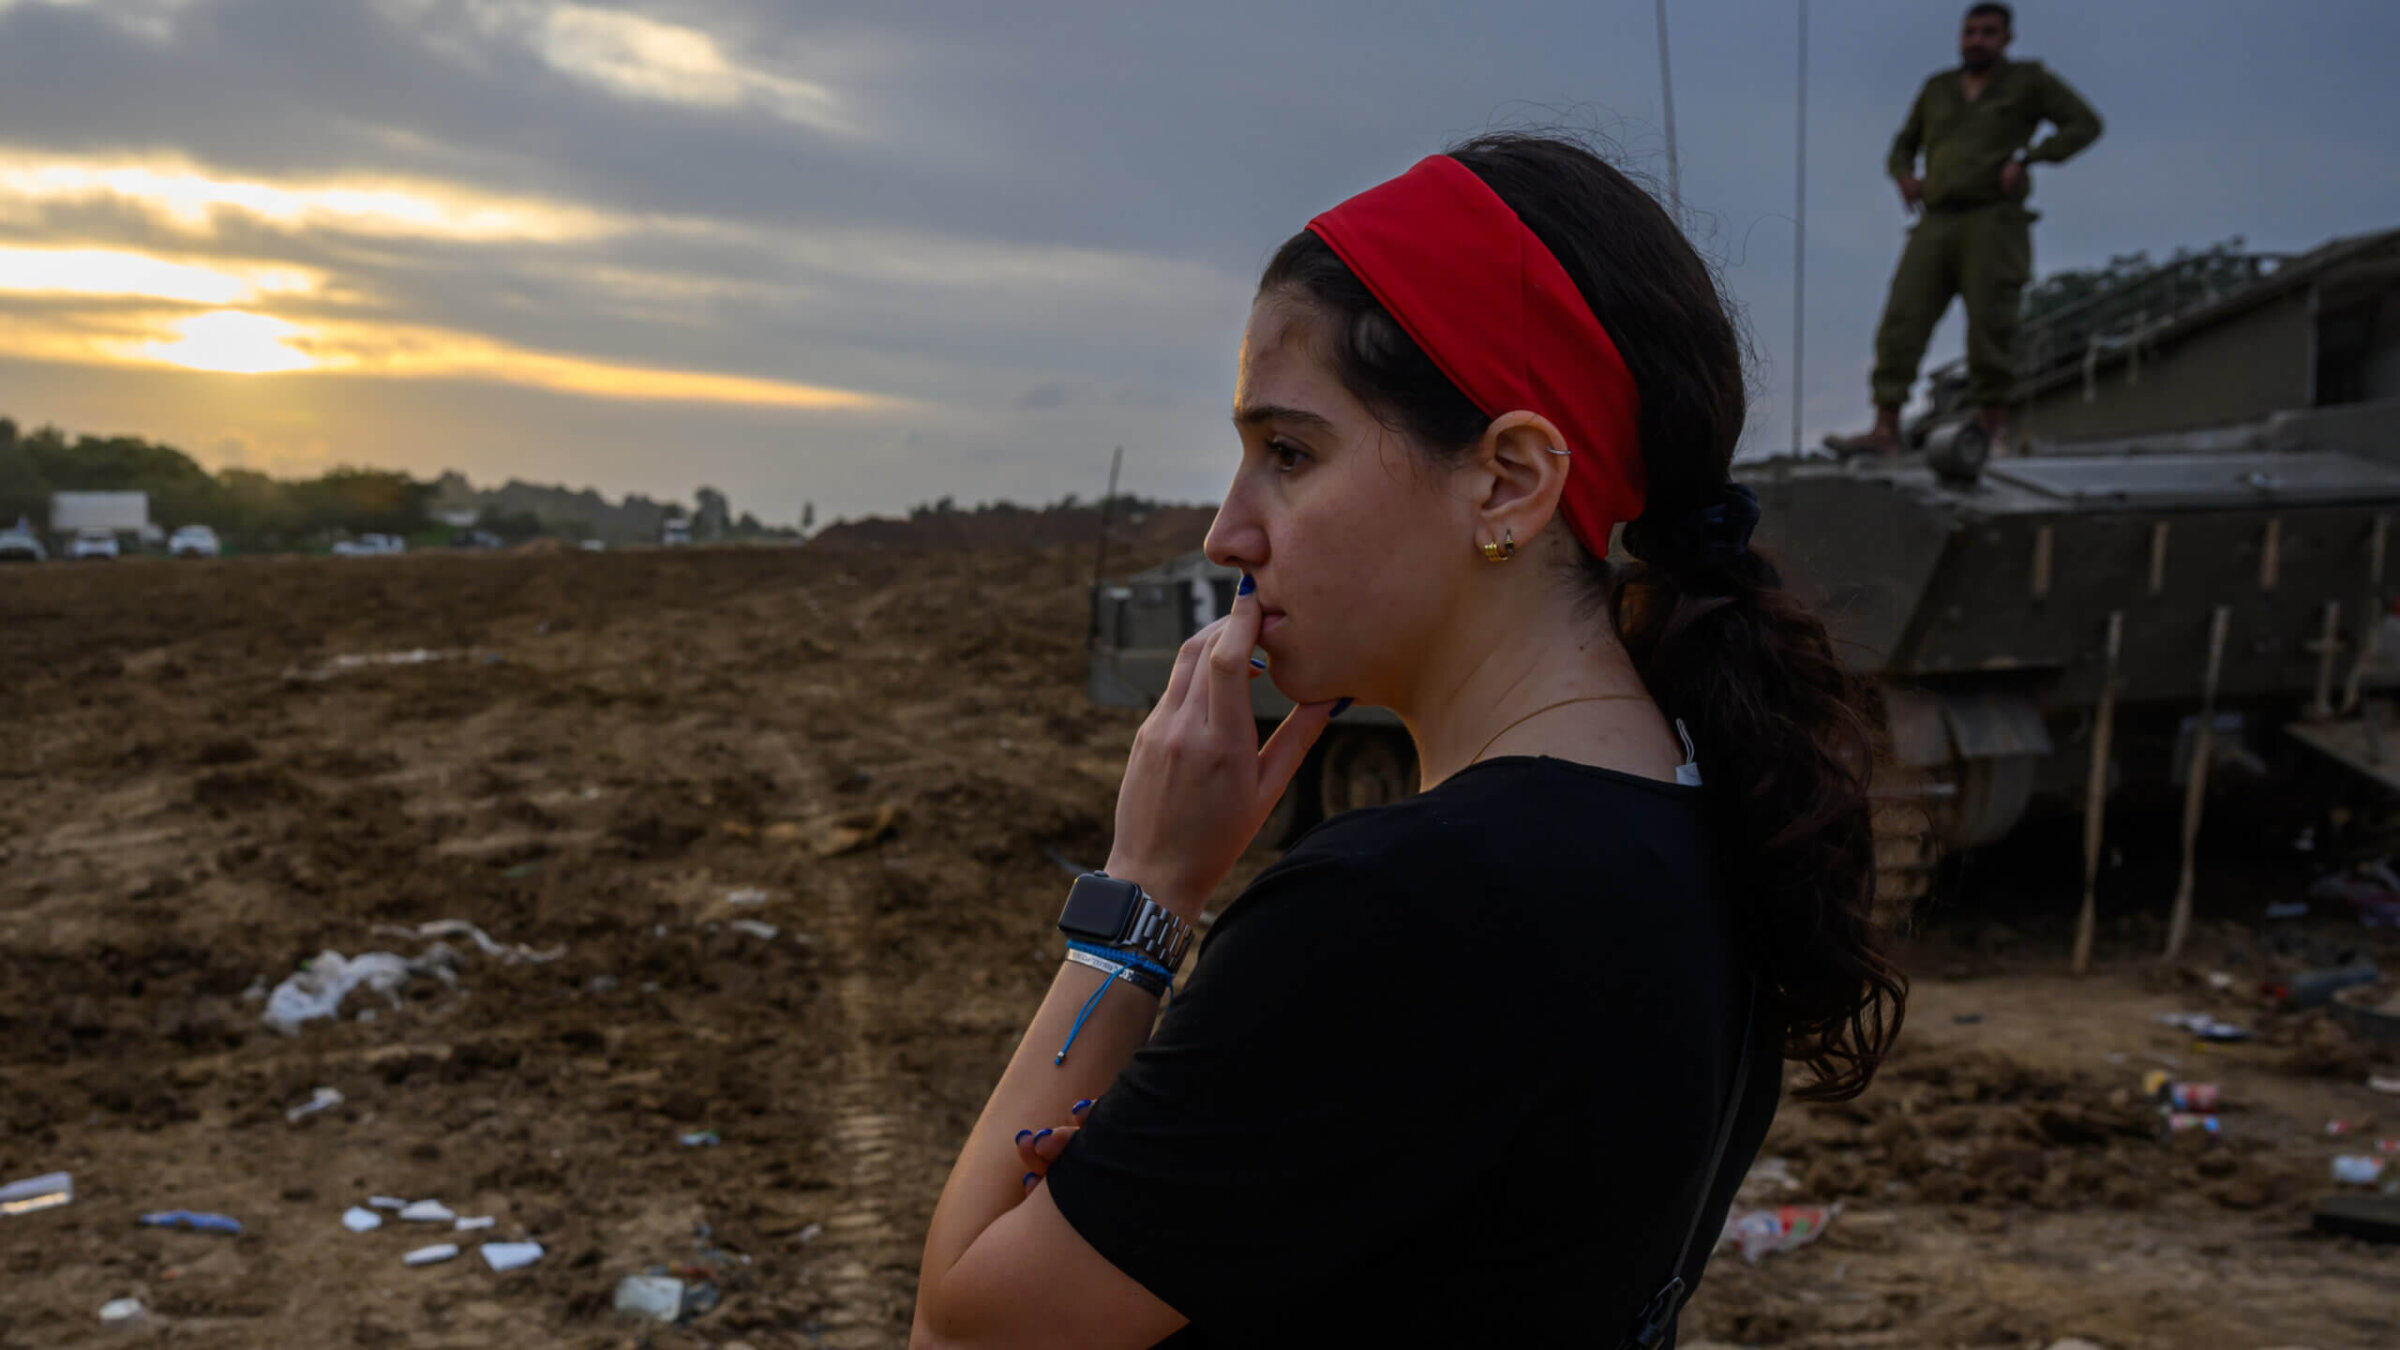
column 1882, row 439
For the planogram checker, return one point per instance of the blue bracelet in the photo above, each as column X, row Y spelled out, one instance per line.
column 1138, row 971
column 1124, row 957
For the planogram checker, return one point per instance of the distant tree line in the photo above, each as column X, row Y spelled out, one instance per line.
column 1122, row 505
column 249, row 510
column 254, row 513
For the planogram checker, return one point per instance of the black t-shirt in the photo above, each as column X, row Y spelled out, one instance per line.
column 1448, row 1073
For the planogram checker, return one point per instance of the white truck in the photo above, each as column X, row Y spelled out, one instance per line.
column 83, row 518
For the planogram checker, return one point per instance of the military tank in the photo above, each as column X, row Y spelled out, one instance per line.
column 2191, row 522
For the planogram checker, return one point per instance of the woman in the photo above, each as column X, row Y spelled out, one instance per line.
column 1483, row 1066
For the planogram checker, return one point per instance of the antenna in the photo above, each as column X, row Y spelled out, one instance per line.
column 1666, row 93
column 1799, row 234
column 1108, row 506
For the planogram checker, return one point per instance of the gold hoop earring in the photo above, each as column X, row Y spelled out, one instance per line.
column 1503, row 550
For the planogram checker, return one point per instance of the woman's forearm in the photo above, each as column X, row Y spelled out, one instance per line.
column 988, row 1179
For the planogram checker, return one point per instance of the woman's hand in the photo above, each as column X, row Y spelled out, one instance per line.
column 1198, row 784
column 1037, row 1149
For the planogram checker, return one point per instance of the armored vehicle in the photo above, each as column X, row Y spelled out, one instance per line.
column 2194, row 512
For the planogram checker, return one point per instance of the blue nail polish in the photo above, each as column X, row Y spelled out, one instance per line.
column 1339, row 709
column 1023, row 1135
column 1027, row 1183
column 1256, row 664
column 1039, row 1136
column 1080, row 1107
column 1249, row 584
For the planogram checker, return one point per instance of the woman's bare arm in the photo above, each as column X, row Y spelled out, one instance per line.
column 1003, row 1268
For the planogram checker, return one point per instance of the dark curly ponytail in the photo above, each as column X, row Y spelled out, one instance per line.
column 1786, row 734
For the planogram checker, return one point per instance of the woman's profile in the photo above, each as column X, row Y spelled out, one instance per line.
column 1484, row 1066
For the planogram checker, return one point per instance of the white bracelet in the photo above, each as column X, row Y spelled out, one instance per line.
column 1112, row 969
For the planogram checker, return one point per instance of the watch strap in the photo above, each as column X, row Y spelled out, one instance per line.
column 1158, row 933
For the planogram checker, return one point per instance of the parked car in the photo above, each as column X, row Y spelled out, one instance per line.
column 483, row 539
column 370, row 546
column 194, row 541
column 92, row 544
column 19, row 543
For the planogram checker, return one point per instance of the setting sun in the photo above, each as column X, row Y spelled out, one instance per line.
column 232, row 342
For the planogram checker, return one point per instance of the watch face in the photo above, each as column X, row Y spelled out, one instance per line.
column 1097, row 908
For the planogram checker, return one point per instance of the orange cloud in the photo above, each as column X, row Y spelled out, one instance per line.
column 245, row 342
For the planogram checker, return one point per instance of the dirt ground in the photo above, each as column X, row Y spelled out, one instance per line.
column 595, row 753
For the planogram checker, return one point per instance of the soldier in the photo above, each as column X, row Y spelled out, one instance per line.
column 1973, row 235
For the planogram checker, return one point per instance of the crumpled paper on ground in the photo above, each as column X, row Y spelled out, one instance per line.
column 317, row 989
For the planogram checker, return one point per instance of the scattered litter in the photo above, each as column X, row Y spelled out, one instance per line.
column 197, row 1221
column 2219, row 980
column 2316, row 988
column 601, row 984
column 657, row 1297
column 699, row 1139
column 1771, row 1174
column 2176, row 1096
column 427, row 1211
column 122, row 1312
column 2342, row 1127
column 745, row 895
column 2288, row 909
column 2187, row 1122
column 809, row 1234
column 1780, row 1229
column 512, row 953
column 2358, row 1169
column 387, row 1202
column 319, row 986
column 2204, row 1026
column 256, row 992
column 433, row 1255
column 763, row 931
column 352, row 662
column 2377, row 1082
column 470, row 1225
column 320, row 1100
column 47, row 1191
column 511, row 1255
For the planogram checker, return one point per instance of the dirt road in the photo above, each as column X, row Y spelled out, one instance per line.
column 650, row 760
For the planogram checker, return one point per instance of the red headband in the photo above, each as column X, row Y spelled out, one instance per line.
column 1489, row 303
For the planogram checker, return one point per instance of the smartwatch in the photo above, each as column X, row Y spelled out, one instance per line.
column 1113, row 913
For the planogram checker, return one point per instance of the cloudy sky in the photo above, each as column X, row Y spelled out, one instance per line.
column 870, row 254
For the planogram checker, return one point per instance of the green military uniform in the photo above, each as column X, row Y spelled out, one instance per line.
column 1972, row 241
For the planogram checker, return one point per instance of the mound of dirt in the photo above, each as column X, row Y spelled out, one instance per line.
column 794, row 820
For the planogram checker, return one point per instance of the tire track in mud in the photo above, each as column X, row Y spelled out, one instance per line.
column 866, row 1301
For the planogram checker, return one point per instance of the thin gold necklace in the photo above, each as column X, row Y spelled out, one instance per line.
column 1588, row 698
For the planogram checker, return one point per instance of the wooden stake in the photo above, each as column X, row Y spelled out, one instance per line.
column 2095, row 791
column 2196, row 782
column 2371, row 639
